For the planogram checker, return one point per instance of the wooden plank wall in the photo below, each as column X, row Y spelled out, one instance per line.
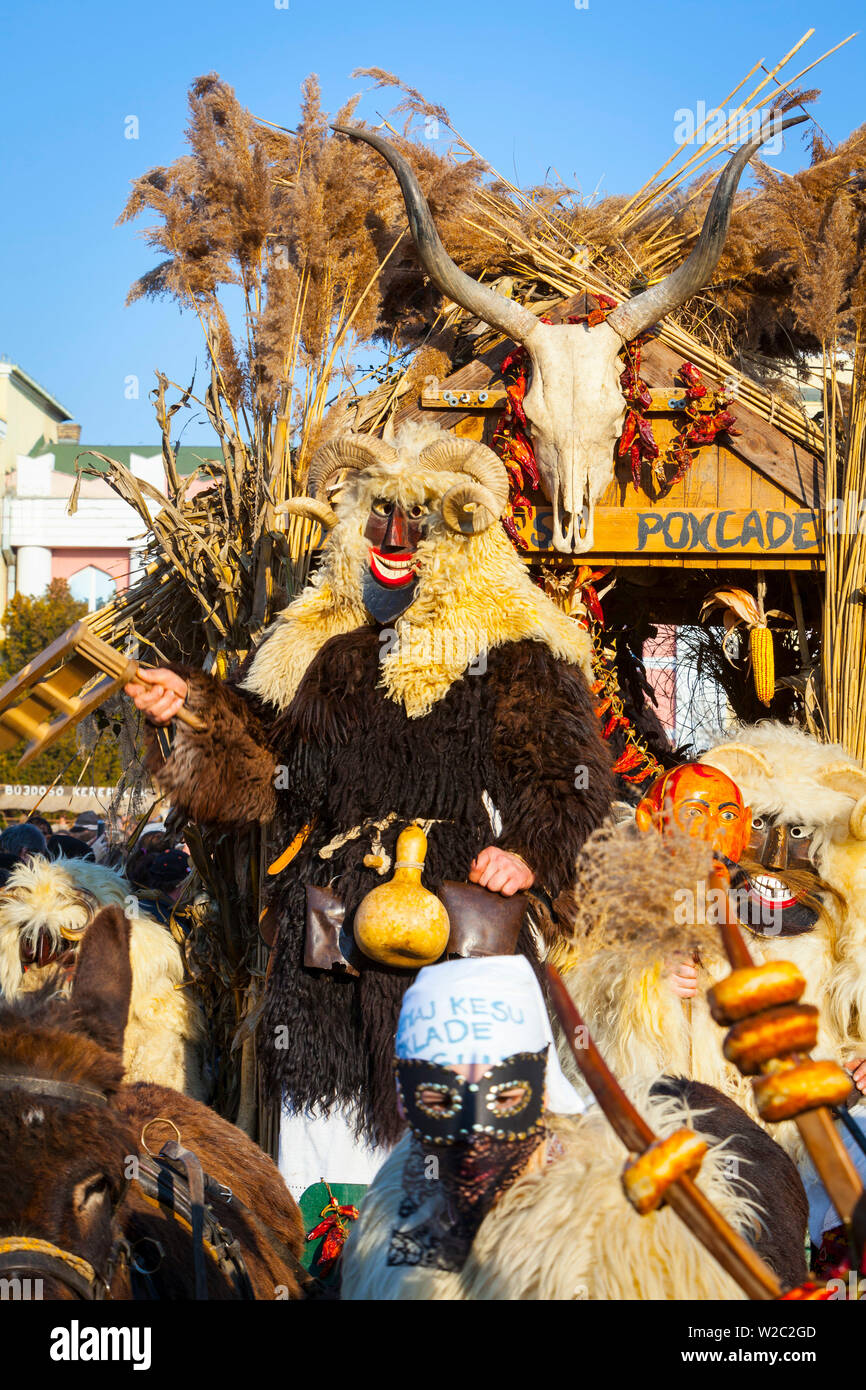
column 718, row 482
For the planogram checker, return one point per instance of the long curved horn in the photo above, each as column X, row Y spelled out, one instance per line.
column 350, row 451
column 81, row 897
column 312, row 508
column 456, row 455
column 636, row 315
column 850, row 779
column 480, row 300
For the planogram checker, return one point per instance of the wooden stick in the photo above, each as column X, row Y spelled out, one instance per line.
column 733, row 1253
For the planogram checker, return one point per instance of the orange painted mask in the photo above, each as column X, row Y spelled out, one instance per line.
column 703, row 802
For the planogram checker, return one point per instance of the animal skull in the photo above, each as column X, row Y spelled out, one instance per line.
column 574, row 403
column 576, row 408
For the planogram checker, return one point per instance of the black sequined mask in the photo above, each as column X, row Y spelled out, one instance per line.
column 469, row 1109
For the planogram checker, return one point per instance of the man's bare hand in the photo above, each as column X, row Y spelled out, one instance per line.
column 158, row 693
column 857, row 1068
column 501, row 872
column 683, row 975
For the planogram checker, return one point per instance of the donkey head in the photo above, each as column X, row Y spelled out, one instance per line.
column 574, row 404
column 63, row 1146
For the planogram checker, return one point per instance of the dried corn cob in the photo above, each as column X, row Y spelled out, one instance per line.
column 763, row 662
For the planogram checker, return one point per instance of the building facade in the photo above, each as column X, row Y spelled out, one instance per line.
column 96, row 547
column 29, row 415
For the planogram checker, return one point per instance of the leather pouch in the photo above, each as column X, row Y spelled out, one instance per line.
column 327, row 944
column 482, row 923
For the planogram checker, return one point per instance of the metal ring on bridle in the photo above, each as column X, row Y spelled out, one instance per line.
column 157, row 1120
column 134, row 1256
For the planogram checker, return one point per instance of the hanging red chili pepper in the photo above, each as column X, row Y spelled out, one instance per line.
column 705, row 416
column 335, row 1228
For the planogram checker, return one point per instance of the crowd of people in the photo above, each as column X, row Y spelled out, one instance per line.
column 152, row 859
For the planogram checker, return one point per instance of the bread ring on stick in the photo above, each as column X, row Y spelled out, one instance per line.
column 774, row 1033
column 756, row 987
column 647, row 1177
column 805, row 1086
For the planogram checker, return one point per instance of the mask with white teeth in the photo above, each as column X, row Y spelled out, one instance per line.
column 391, row 578
column 778, row 866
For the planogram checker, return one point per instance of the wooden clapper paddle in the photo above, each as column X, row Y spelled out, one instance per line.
column 61, row 686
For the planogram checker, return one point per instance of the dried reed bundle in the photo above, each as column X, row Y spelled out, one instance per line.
column 642, row 894
column 844, row 644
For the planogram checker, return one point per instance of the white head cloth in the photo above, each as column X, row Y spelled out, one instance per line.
column 481, row 1010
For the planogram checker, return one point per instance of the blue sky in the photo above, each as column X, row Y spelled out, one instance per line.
column 534, row 86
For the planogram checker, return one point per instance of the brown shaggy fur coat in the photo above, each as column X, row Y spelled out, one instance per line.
column 343, row 755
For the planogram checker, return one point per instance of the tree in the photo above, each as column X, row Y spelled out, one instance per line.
column 31, row 624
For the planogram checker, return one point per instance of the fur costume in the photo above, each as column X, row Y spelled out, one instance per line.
column 638, row 1022
column 641, row 1026
column 476, row 694
column 567, row 1231
column 165, row 1028
column 791, row 779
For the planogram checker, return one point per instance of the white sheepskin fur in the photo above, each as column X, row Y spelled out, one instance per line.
column 800, row 787
column 165, row 1028
column 633, row 1014
column 816, row 785
column 474, row 593
column 641, row 1027
column 565, row 1232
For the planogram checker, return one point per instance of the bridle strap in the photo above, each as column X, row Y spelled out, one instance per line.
column 58, row 1090
column 313, row 1287
column 26, row 1252
column 165, row 1178
column 195, row 1183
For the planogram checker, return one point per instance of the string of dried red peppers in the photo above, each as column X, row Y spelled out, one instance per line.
column 705, row 415
column 635, row 763
column 637, row 441
column 512, row 443
column 335, row 1228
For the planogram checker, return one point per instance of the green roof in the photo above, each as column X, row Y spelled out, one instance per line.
column 188, row 456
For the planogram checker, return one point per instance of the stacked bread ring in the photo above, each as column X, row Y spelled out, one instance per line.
column 771, row 1031
column 648, row 1176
